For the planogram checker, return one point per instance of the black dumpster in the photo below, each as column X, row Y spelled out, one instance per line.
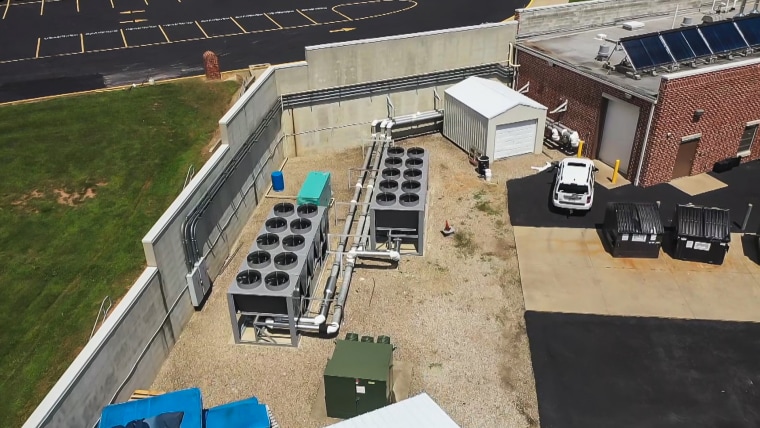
column 702, row 235
column 633, row 229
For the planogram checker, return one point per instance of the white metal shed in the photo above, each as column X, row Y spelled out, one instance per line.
column 489, row 118
column 419, row 411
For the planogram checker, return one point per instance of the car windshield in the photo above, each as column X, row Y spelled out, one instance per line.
column 573, row 188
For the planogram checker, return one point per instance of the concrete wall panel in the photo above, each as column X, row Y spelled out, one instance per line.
column 99, row 372
column 587, row 14
column 369, row 60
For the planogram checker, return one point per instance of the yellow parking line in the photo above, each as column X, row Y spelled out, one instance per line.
column 37, row 53
column 123, row 37
column 164, row 33
column 273, row 21
column 304, row 15
column 201, row 28
column 81, row 38
column 341, row 14
column 238, row 24
column 7, row 5
column 42, row 7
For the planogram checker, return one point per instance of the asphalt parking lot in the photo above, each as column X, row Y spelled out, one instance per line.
column 529, row 203
column 61, row 46
column 596, row 371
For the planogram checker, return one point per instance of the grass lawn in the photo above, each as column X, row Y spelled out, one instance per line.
column 82, row 180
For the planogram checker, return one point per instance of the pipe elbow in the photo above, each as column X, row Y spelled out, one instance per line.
column 320, row 319
column 395, row 256
column 333, row 328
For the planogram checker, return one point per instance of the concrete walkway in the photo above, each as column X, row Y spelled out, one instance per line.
column 568, row 270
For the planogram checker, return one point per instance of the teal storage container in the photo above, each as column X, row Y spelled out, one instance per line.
column 316, row 189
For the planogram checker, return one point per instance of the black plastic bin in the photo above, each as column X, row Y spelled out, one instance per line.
column 703, row 234
column 633, row 229
column 727, row 164
column 483, row 164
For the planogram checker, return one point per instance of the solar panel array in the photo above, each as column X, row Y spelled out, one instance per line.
column 649, row 51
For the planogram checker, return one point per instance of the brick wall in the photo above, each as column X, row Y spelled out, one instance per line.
column 730, row 99
column 551, row 85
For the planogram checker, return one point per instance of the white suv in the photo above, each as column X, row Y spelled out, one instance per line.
column 574, row 184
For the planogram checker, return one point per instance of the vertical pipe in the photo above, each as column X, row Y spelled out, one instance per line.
column 644, row 146
column 741, row 8
column 675, row 17
column 746, row 217
column 580, row 148
column 615, row 172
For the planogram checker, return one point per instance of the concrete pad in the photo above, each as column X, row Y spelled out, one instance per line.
column 569, row 270
column 604, row 176
column 697, row 184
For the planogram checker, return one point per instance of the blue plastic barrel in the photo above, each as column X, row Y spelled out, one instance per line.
column 278, row 181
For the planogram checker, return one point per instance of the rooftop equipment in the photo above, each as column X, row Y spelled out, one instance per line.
column 702, row 234
column 276, row 278
column 316, row 189
column 633, row 229
column 358, row 378
column 397, row 209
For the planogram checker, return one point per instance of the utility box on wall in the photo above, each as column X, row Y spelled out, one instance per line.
column 358, row 378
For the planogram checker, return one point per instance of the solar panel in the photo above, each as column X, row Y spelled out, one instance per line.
column 696, row 42
column 750, row 28
column 723, row 37
column 646, row 52
column 638, row 56
column 678, row 46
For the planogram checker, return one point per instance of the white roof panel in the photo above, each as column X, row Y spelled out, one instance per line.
column 489, row 98
column 416, row 412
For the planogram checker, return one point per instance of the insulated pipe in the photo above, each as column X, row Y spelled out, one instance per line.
column 316, row 324
column 351, row 259
column 333, row 279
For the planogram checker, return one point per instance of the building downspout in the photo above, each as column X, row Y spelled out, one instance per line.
column 644, row 145
column 293, row 125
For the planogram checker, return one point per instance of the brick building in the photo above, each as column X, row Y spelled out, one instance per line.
column 664, row 108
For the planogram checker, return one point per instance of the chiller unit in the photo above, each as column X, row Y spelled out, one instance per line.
column 399, row 203
column 277, row 276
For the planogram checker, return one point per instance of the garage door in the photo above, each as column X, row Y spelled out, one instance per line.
column 618, row 133
column 514, row 139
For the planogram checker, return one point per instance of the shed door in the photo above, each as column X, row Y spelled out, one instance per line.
column 619, row 131
column 514, row 139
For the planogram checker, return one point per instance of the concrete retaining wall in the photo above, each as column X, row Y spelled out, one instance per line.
column 129, row 349
column 99, row 371
column 593, row 13
column 370, row 60
column 127, row 352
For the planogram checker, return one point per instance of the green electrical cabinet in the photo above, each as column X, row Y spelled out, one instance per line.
column 316, row 189
column 358, row 378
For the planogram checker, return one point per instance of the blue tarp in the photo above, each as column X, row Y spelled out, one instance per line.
column 239, row 414
column 187, row 401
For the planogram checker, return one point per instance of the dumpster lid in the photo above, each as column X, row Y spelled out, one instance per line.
column 637, row 217
column 703, row 222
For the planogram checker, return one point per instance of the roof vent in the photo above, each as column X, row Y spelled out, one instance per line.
column 633, row 25
column 604, row 52
column 687, row 21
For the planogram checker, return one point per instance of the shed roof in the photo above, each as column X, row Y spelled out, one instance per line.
column 419, row 411
column 636, row 218
column 489, row 98
column 705, row 223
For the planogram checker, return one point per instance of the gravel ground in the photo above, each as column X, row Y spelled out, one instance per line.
column 455, row 315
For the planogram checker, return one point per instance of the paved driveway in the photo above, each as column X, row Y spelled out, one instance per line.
column 529, row 204
column 568, row 270
column 629, row 372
